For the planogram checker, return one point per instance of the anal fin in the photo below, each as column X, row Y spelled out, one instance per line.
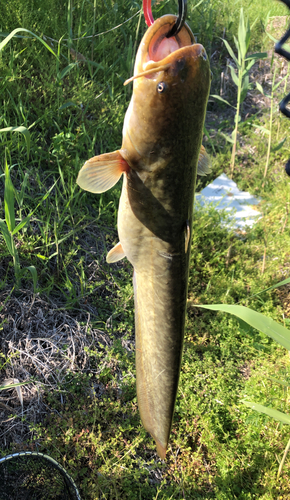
column 115, row 254
column 100, row 173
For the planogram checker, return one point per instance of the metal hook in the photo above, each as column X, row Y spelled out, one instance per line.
column 182, row 11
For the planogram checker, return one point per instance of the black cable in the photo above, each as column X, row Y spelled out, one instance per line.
column 279, row 50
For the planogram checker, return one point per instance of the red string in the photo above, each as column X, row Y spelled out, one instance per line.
column 148, row 12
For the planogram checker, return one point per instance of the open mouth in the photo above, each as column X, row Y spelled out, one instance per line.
column 160, row 46
column 156, row 48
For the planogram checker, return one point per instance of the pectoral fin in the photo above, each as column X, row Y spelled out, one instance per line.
column 204, row 163
column 100, row 173
column 115, row 254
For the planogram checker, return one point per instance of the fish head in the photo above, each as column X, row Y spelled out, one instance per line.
column 170, row 90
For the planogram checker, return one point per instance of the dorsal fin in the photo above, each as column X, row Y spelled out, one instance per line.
column 187, row 235
column 204, row 163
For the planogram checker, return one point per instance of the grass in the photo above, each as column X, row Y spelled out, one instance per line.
column 74, row 339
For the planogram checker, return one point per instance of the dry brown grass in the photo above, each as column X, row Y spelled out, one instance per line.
column 40, row 344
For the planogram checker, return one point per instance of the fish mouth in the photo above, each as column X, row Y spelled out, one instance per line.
column 159, row 46
column 157, row 52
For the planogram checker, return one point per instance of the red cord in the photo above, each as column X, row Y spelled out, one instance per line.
column 148, row 12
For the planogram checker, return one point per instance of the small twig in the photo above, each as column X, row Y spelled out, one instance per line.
column 7, row 408
column 283, row 459
column 286, row 218
column 264, row 257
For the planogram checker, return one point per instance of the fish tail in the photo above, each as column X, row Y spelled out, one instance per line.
column 158, row 354
column 161, row 450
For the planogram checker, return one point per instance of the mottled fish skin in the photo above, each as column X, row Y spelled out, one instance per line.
column 162, row 136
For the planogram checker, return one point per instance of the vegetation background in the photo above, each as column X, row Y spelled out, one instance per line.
column 67, row 318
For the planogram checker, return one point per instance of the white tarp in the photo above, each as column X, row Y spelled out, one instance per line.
column 224, row 194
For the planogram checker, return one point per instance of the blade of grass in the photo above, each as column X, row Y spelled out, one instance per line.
column 271, row 412
column 22, row 130
column 17, row 30
column 257, row 320
column 281, row 283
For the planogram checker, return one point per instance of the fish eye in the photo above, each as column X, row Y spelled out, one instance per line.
column 161, row 87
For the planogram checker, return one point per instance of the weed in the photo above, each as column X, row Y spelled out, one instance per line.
column 241, row 80
column 275, row 86
column 9, row 229
column 277, row 332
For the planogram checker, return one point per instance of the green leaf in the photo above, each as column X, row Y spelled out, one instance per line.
column 252, row 25
column 67, row 105
column 66, row 70
column 257, row 320
column 219, row 98
column 265, row 130
column 260, row 88
column 279, row 82
column 237, row 120
column 248, row 35
column 22, row 130
column 17, row 30
column 242, row 34
column 42, row 257
column 278, row 146
column 20, row 196
column 206, row 133
column 7, row 236
column 33, row 272
column 237, row 47
column 281, row 283
column 9, row 200
column 227, row 137
column 233, row 75
column 197, row 5
column 21, row 224
column 257, row 55
column 245, row 88
column 10, row 386
column 230, row 51
column 248, row 67
column 46, row 195
column 271, row 37
column 285, row 384
column 27, row 218
column 277, row 415
column 13, row 382
column 246, row 85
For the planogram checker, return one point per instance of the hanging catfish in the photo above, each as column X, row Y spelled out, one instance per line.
column 160, row 155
